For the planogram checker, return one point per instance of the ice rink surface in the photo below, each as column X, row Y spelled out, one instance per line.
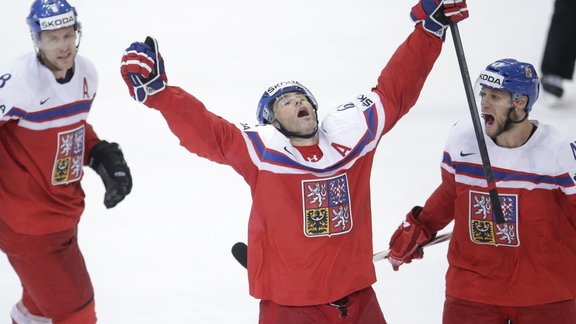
column 163, row 255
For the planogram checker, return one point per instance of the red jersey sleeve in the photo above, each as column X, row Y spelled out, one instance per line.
column 91, row 140
column 200, row 131
column 438, row 211
column 401, row 81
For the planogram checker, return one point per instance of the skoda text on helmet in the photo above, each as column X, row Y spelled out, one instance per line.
column 264, row 114
column 517, row 78
column 51, row 15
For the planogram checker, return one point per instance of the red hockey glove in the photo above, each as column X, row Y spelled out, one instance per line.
column 436, row 15
column 142, row 69
column 406, row 243
column 455, row 10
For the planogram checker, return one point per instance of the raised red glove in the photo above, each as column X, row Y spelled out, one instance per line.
column 142, row 69
column 436, row 15
column 406, row 243
column 456, row 10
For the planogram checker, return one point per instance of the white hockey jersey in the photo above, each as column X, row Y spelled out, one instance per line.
column 44, row 143
column 530, row 258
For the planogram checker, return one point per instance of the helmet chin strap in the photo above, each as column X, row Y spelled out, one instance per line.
column 509, row 120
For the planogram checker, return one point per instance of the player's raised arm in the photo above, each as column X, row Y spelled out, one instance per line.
column 401, row 81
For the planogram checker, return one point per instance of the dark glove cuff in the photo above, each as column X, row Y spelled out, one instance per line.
column 415, row 212
column 440, row 17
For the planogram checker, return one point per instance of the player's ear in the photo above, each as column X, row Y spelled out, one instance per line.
column 276, row 124
column 521, row 102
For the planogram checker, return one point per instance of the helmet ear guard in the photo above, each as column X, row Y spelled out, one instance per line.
column 517, row 78
column 264, row 113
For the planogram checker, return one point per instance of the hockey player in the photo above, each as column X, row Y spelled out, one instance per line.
column 45, row 141
column 310, row 228
column 521, row 270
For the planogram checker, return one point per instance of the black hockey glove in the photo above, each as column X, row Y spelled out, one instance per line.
column 108, row 161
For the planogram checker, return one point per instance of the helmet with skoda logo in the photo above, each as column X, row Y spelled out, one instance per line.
column 517, row 78
column 264, row 113
column 51, row 15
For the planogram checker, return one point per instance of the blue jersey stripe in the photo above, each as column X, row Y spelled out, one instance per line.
column 53, row 113
column 477, row 171
column 279, row 158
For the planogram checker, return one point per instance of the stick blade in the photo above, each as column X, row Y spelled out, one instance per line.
column 240, row 253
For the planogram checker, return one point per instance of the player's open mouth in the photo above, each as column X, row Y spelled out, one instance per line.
column 303, row 113
column 65, row 57
column 488, row 119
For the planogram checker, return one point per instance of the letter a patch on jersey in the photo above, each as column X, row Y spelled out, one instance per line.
column 327, row 206
column 483, row 226
column 69, row 157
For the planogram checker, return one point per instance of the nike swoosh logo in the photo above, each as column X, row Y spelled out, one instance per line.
column 286, row 149
column 462, row 154
column 44, row 101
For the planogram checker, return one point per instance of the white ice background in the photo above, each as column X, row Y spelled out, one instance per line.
column 163, row 255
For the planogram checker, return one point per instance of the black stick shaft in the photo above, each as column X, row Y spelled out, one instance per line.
column 494, row 198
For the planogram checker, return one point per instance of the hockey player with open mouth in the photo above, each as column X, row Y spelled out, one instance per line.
column 519, row 269
column 310, row 233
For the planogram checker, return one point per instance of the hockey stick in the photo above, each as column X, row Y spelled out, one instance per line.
column 240, row 249
column 494, row 198
column 438, row 239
